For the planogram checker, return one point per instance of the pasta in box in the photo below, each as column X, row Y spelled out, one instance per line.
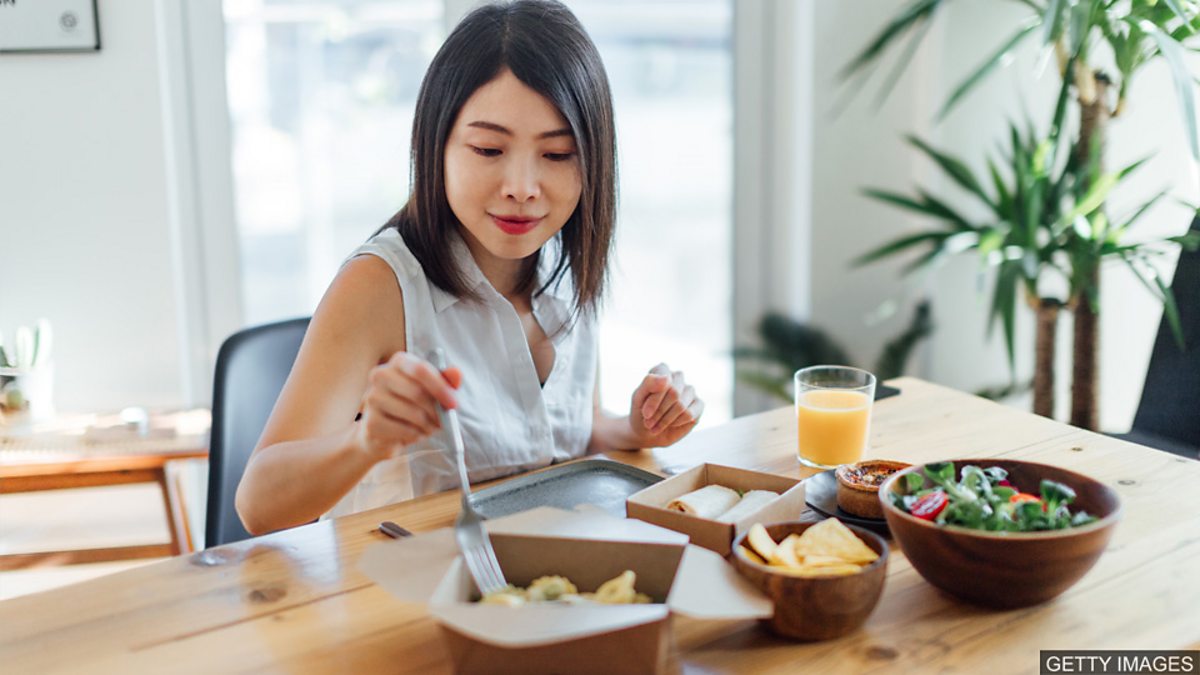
column 549, row 637
column 714, row 504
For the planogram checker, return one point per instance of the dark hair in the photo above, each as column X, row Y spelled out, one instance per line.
column 545, row 47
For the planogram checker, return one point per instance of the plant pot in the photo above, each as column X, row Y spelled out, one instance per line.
column 26, row 394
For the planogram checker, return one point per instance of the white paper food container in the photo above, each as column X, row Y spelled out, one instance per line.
column 588, row 547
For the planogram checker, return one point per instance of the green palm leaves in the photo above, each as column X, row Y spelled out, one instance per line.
column 1043, row 208
column 788, row 345
column 1006, row 240
column 1037, row 220
column 1134, row 33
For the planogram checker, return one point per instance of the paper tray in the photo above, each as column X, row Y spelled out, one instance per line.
column 600, row 482
column 584, row 545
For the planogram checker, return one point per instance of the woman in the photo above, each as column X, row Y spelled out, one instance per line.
column 500, row 259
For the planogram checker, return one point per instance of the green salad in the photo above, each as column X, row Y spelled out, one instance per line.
column 984, row 499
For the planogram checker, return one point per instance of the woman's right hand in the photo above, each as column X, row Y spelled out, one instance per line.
column 400, row 405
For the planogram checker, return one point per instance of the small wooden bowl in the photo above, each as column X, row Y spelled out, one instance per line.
column 816, row 608
column 1006, row 569
column 858, row 499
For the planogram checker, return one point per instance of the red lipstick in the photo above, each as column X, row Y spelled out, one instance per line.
column 515, row 224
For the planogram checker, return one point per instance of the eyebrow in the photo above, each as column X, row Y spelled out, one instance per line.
column 492, row 126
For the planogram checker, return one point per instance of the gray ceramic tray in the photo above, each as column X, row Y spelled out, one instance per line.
column 599, row 482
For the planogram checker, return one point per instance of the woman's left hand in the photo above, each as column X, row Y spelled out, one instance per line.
column 664, row 408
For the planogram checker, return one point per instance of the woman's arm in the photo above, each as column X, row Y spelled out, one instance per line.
column 312, row 452
column 290, row 483
column 610, row 432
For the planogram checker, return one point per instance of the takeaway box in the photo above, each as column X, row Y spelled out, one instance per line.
column 588, row 547
column 650, row 504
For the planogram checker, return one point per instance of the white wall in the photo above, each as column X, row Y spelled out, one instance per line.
column 863, row 147
column 961, row 354
column 857, row 145
column 84, row 237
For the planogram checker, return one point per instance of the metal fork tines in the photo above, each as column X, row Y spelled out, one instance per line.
column 473, row 541
column 477, row 551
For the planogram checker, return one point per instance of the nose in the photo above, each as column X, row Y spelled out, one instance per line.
column 522, row 180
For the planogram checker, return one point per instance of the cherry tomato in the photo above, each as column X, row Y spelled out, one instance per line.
column 1026, row 497
column 929, row 506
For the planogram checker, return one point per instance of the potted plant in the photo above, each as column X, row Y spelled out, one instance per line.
column 788, row 345
column 1041, row 221
column 1135, row 32
column 27, row 375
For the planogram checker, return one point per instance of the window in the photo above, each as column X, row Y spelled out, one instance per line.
column 670, row 65
column 321, row 97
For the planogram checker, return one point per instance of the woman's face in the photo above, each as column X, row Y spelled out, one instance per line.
column 512, row 170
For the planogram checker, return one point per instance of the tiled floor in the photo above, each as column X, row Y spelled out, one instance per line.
column 84, row 518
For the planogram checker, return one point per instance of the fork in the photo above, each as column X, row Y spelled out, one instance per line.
column 473, row 541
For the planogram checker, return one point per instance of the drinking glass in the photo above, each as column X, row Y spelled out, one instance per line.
column 833, row 414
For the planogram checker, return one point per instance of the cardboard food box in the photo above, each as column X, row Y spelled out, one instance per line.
column 586, row 547
column 650, row 504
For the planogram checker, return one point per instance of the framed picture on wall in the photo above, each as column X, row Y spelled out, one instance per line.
column 48, row 26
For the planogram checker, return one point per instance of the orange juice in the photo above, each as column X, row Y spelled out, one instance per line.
column 833, row 425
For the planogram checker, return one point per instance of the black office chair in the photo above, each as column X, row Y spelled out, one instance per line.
column 251, row 368
column 1168, row 416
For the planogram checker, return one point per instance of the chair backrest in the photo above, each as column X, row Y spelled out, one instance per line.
column 1171, row 395
column 251, row 368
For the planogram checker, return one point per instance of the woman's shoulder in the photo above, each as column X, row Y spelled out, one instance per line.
column 366, row 275
column 388, row 245
column 375, row 273
column 365, row 300
column 386, row 255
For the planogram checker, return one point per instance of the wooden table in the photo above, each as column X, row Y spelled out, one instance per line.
column 295, row 602
column 85, row 451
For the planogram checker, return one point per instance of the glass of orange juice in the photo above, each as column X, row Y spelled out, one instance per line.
column 833, row 414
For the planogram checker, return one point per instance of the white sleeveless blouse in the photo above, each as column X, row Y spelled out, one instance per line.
column 510, row 422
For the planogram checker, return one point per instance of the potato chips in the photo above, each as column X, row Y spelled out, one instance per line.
column 828, row 548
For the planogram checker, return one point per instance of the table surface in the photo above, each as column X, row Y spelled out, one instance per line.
column 295, row 601
column 82, row 442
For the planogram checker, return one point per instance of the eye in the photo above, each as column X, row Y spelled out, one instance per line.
column 486, row 152
column 559, row 156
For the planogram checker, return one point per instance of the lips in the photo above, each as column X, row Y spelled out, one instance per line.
column 515, row 224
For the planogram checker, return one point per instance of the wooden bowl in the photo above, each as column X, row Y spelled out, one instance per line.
column 816, row 608
column 1006, row 569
